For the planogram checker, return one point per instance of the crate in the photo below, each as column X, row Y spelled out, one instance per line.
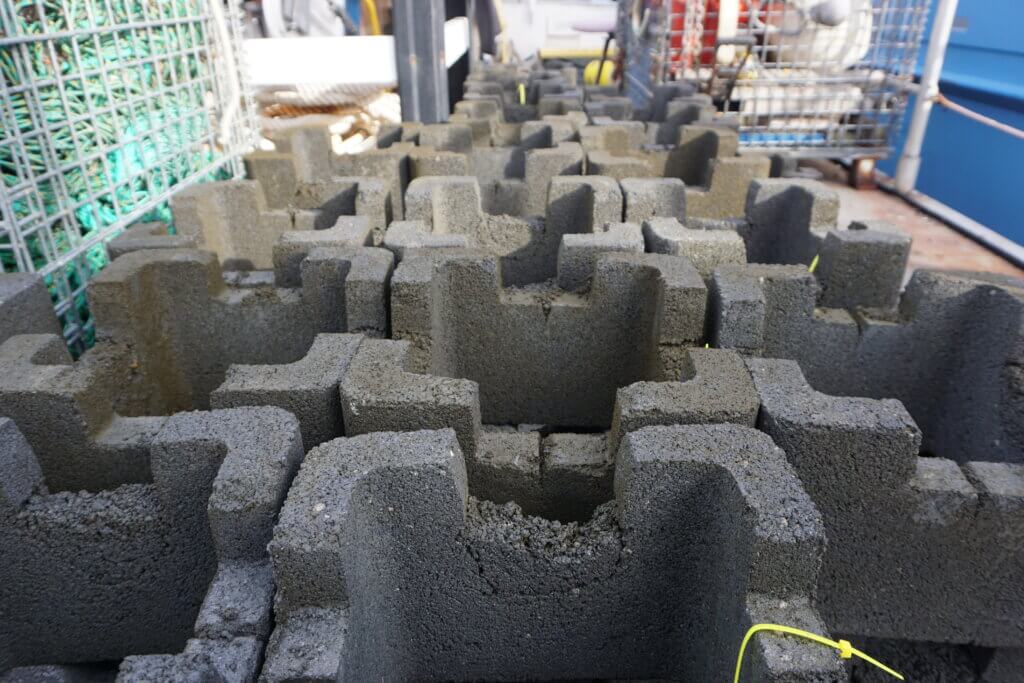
column 794, row 83
column 106, row 108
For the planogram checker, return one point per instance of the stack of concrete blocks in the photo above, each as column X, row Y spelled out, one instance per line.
column 506, row 418
column 445, row 212
column 234, row 220
column 125, row 566
column 180, row 324
column 921, row 548
column 704, row 157
column 486, row 593
column 299, row 176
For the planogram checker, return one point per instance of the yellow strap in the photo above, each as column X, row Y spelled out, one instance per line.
column 846, row 650
column 522, row 94
column 814, row 263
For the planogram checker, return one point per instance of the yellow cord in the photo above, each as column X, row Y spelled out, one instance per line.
column 846, row 650
column 814, row 263
column 370, row 9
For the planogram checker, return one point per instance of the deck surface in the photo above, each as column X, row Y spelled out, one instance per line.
column 935, row 244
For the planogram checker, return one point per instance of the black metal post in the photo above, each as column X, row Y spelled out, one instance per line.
column 419, row 52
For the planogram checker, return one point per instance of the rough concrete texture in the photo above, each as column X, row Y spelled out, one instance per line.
column 448, row 213
column 25, row 306
column 542, row 355
column 578, row 253
column 307, row 388
column 515, row 162
column 182, row 324
column 521, row 463
column 153, row 235
column 863, row 266
column 388, row 514
column 706, row 249
column 89, row 577
column 235, row 220
column 951, row 351
column 907, row 534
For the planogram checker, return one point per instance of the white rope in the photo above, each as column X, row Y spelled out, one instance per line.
column 980, row 118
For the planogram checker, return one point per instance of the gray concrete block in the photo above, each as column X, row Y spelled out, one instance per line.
column 148, row 236
column 404, row 235
column 346, row 289
column 448, row 137
column 714, row 387
column 307, row 388
column 603, row 163
column 25, row 306
column 195, row 668
column 706, row 249
column 578, row 253
column 653, row 197
column 788, row 219
column 889, row 515
column 544, row 164
column 293, row 247
column 20, row 474
column 378, row 394
column 407, row 492
column 862, row 267
column 723, row 191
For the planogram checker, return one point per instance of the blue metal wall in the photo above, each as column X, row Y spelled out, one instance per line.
column 973, row 168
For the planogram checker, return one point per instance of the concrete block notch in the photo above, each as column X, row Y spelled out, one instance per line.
column 350, row 490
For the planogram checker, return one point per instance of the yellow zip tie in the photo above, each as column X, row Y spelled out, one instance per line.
column 846, row 650
column 814, row 263
column 522, row 94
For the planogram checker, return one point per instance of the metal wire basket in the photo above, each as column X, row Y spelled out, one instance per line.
column 106, row 108
column 814, row 77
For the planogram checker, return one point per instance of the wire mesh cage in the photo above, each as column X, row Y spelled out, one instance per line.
column 827, row 77
column 106, row 108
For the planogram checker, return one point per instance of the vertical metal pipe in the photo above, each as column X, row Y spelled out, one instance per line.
column 419, row 54
column 910, row 160
column 474, row 37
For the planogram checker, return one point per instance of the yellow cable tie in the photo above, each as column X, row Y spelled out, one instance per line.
column 846, row 650
column 814, row 263
column 522, row 94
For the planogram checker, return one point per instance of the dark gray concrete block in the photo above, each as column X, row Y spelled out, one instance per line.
column 484, row 573
column 25, row 306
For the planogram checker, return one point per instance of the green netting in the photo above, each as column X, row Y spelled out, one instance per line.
column 86, row 67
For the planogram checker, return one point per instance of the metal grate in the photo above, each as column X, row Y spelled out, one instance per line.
column 106, row 108
column 797, row 74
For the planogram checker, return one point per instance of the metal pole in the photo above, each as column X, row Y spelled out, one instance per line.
column 419, row 53
column 474, row 37
column 910, row 160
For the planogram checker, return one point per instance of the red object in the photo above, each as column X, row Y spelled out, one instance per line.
column 684, row 57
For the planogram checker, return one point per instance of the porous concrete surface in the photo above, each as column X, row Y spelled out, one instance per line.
column 466, row 567
column 891, row 514
column 25, row 306
column 597, row 496
column 706, row 249
column 153, row 235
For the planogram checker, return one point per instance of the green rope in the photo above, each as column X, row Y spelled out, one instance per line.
column 92, row 70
